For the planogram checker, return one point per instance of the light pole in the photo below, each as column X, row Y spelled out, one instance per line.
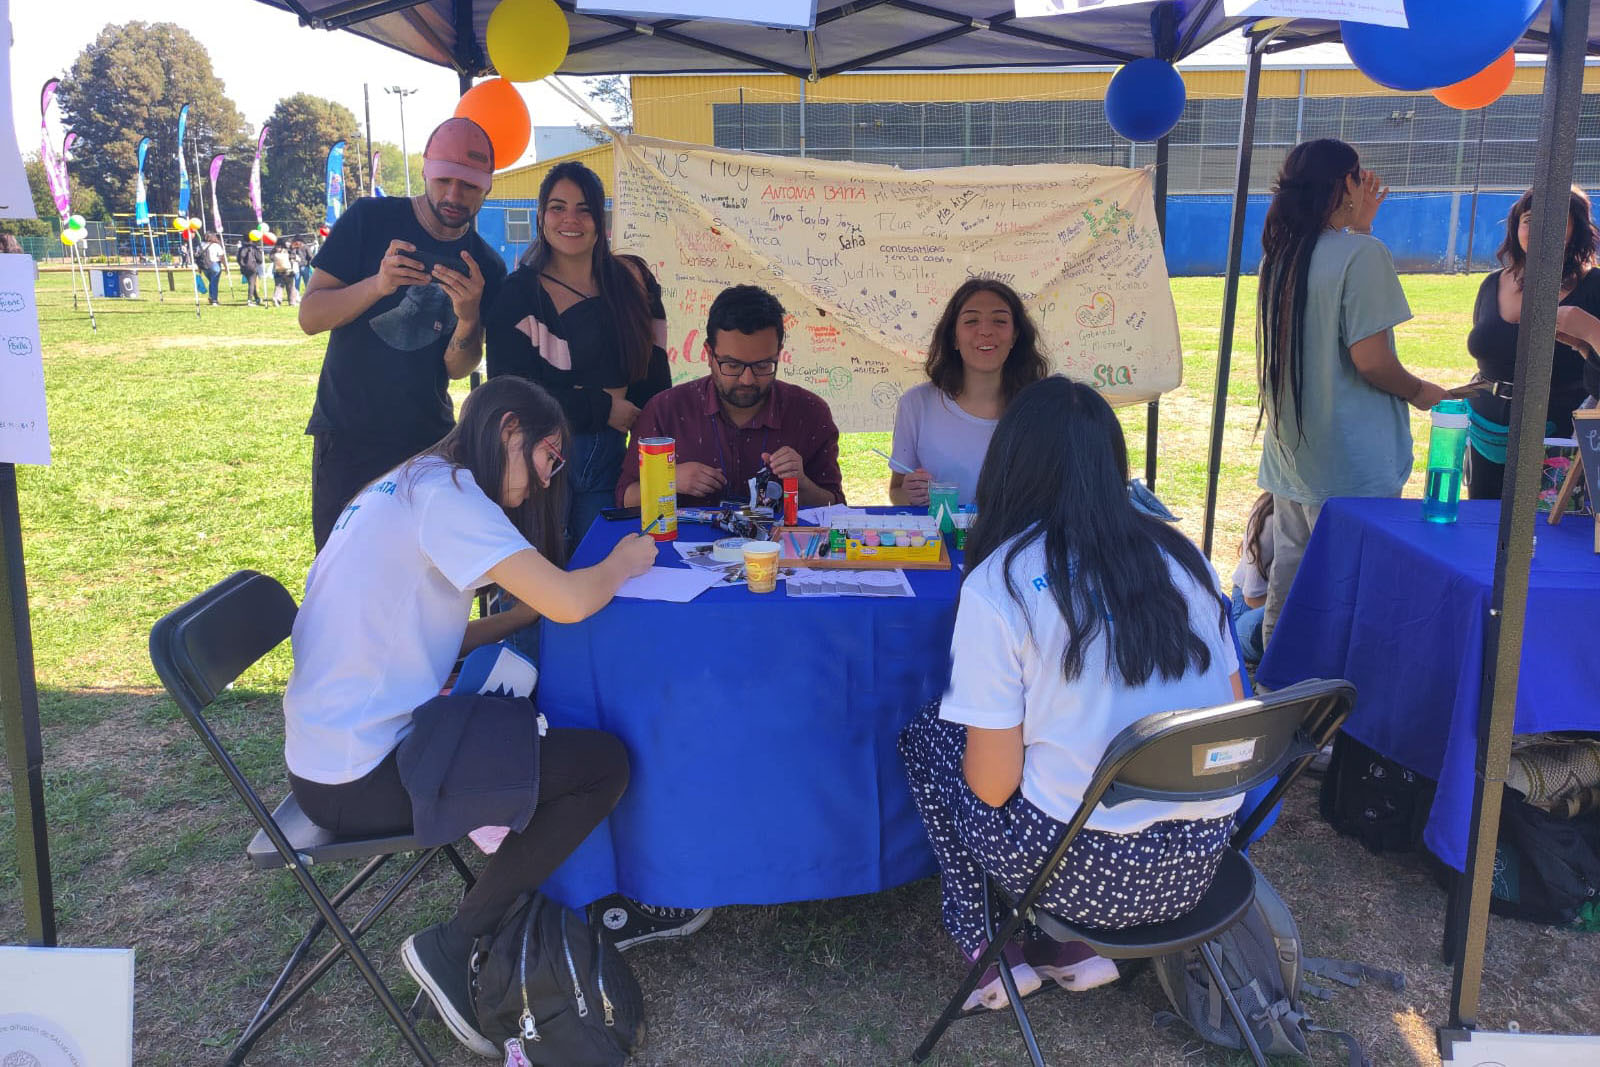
column 405, row 154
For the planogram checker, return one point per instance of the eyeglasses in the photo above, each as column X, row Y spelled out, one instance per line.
column 557, row 461
column 735, row 368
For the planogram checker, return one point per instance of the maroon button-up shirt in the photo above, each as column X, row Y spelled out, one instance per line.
column 691, row 414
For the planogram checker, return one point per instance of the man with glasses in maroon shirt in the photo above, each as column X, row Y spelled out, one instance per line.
column 740, row 417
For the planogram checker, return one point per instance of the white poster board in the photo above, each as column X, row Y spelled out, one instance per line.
column 66, row 1007
column 864, row 257
column 24, row 433
column 1375, row 12
column 16, row 199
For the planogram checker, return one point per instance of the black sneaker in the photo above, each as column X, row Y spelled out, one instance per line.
column 632, row 923
column 444, row 977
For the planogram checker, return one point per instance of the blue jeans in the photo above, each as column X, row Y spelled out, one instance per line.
column 1247, row 624
column 593, row 470
column 212, row 274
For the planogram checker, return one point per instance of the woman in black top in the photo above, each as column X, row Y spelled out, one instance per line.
column 1493, row 340
column 587, row 325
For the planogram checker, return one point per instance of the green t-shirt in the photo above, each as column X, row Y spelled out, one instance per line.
column 1357, row 439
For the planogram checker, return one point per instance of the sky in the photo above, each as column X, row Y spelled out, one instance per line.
column 261, row 54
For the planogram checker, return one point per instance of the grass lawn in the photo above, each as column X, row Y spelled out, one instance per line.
column 179, row 458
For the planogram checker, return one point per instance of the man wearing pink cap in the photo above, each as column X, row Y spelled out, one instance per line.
column 399, row 284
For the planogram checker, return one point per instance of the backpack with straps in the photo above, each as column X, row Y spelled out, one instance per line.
column 1260, row 956
column 551, row 990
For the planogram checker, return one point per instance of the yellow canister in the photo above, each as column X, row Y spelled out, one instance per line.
column 658, row 487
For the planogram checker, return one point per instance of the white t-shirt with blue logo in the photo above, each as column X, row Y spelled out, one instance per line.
column 385, row 610
column 1005, row 673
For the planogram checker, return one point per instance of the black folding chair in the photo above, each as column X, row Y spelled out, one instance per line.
column 1203, row 754
column 198, row 650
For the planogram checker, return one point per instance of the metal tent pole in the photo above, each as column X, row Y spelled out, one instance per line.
column 1230, row 285
column 1503, row 630
column 1152, row 418
column 19, row 717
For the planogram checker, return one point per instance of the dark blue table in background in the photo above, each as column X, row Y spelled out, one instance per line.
column 761, row 731
column 1398, row 606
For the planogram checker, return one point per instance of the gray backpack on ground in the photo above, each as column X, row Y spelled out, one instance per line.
column 1261, row 959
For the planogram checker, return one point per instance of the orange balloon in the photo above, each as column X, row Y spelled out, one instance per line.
column 1483, row 88
column 498, row 108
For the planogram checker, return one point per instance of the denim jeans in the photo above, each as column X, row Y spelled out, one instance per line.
column 212, row 274
column 592, row 473
column 1247, row 624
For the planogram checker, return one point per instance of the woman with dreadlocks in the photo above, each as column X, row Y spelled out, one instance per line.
column 1333, row 394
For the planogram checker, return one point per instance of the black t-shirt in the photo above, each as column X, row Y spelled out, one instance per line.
column 383, row 379
column 1493, row 343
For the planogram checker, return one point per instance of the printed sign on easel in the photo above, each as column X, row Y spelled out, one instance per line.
column 66, row 1007
column 1586, row 428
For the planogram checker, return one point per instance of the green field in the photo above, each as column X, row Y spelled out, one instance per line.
column 179, row 457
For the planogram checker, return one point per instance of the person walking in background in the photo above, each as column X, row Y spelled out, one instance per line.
column 283, row 272
column 250, row 264
column 985, row 349
column 1333, row 393
column 398, row 332
column 1493, row 341
column 587, row 325
column 211, row 257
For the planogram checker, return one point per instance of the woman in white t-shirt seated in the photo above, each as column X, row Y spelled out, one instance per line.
column 373, row 747
column 983, row 352
column 1078, row 616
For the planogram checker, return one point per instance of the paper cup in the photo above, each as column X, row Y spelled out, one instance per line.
column 761, row 566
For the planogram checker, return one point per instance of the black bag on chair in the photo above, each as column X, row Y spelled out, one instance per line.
column 551, row 990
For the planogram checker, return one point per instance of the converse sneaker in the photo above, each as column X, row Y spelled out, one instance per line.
column 632, row 923
column 990, row 991
column 443, row 975
column 1072, row 965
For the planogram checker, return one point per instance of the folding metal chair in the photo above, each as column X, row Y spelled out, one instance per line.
column 1203, row 754
column 198, row 650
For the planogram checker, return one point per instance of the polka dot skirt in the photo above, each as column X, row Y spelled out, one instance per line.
column 1106, row 880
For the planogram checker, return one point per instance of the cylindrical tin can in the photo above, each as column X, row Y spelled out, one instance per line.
column 791, row 501
column 658, row 487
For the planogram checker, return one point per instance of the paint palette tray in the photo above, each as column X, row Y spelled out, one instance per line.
column 801, row 546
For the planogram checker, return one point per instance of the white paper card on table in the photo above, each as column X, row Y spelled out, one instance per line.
column 1373, row 12
column 1027, row 9
column 788, row 14
column 24, row 434
column 63, row 1006
column 676, row 585
column 16, row 199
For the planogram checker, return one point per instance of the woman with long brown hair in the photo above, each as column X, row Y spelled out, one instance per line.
column 587, row 325
column 1496, row 315
column 1333, row 394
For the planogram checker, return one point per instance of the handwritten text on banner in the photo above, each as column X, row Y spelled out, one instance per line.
column 864, row 257
column 24, row 437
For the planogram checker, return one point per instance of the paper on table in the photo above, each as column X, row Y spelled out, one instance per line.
column 24, row 435
column 832, row 583
column 835, row 514
column 676, row 585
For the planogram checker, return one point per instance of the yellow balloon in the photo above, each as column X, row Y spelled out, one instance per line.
column 66, row 238
column 527, row 39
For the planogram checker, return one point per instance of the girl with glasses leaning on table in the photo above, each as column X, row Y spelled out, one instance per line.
column 1078, row 616
column 984, row 351
column 373, row 748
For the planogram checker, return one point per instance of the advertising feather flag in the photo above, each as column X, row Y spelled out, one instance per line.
column 183, row 168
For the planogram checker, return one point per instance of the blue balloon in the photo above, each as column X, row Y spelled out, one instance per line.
column 1145, row 99
column 1447, row 41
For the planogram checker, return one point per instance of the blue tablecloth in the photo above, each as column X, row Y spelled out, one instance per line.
column 1398, row 606
column 761, row 730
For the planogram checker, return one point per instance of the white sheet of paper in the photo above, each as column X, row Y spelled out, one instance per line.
column 789, row 14
column 24, row 434
column 66, row 1005
column 16, row 199
column 834, row 583
column 676, row 585
column 1375, row 12
column 835, row 514
column 1028, row 9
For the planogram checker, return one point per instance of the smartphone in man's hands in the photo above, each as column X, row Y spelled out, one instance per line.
column 429, row 260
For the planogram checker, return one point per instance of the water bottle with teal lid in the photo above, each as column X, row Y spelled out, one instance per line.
column 1447, row 446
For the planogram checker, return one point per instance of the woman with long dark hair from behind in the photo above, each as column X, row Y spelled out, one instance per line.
column 1079, row 614
column 984, row 351
column 371, row 746
column 1332, row 391
column 1493, row 340
column 587, row 325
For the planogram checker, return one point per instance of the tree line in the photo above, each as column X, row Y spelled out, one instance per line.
column 131, row 82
